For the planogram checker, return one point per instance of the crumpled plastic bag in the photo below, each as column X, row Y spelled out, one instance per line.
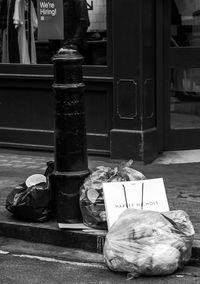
column 32, row 203
column 91, row 192
column 149, row 243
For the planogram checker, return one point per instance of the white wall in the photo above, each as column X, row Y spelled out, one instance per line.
column 97, row 15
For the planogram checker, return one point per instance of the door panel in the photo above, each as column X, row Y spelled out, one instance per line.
column 182, row 74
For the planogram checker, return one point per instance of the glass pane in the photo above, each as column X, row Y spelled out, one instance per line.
column 185, row 98
column 19, row 42
column 97, row 34
column 185, row 23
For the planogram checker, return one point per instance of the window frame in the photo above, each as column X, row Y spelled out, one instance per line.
column 46, row 70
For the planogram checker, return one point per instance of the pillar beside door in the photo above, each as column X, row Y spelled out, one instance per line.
column 134, row 133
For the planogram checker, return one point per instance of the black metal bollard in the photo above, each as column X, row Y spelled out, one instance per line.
column 70, row 154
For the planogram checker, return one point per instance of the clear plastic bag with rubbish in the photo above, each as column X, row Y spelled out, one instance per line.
column 149, row 243
column 91, row 193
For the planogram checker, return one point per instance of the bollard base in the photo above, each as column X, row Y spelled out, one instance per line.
column 66, row 192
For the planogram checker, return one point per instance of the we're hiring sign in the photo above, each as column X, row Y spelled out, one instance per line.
column 50, row 19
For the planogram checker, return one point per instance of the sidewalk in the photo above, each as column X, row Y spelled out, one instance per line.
column 182, row 181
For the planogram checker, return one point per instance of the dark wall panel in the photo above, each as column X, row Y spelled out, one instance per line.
column 126, row 36
column 26, row 108
column 127, row 60
column 27, row 114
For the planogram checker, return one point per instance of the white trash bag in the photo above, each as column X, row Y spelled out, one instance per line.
column 149, row 243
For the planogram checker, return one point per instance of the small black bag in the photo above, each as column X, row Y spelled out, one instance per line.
column 34, row 203
column 30, row 203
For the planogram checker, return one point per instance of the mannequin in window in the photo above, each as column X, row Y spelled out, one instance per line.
column 76, row 23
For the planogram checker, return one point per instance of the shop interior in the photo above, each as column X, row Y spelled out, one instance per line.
column 185, row 81
column 39, row 51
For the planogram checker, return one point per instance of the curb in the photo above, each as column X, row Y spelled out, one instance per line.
column 49, row 233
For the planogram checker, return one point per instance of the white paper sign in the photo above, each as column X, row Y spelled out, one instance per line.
column 147, row 194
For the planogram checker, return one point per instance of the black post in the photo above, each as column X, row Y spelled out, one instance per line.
column 71, row 163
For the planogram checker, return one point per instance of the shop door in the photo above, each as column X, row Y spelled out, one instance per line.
column 182, row 74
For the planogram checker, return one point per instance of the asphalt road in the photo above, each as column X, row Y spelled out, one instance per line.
column 27, row 263
column 25, row 269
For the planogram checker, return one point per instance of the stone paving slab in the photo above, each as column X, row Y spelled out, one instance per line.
column 23, row 162
column 178, row 157
column 182, row 183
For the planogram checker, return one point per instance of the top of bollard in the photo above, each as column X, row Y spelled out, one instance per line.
column 67, row 54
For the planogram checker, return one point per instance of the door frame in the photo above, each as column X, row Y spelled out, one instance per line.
column 159, row 74
column 171, row 139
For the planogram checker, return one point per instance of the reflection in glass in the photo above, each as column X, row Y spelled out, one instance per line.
column 97, row 35
column 185, row 23
column 13, row 30
column 185, row 98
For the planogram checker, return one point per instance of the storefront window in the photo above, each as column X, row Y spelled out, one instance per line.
column 19, row 40
column 185, row 98
column 185, row 28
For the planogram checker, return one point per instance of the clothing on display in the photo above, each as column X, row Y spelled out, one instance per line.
column 18, row 24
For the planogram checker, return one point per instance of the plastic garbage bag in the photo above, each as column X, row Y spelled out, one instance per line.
column 50, row 168
column 149, row 243
column 91, row 192
column 32, row 200
column 30, row 203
